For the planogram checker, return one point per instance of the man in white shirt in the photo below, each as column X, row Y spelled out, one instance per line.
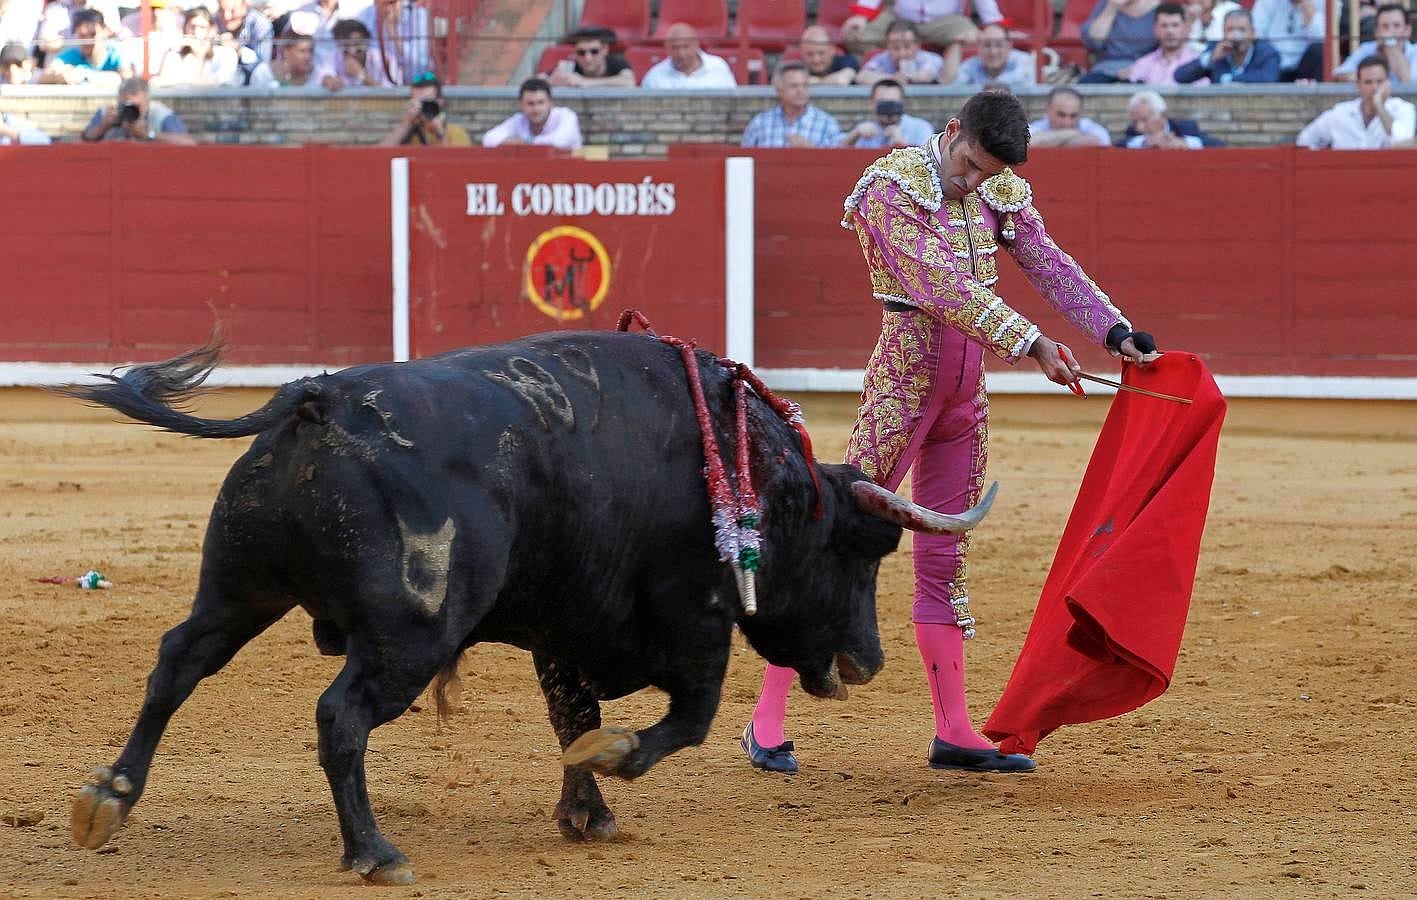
column 997, row 61
column 1374, row 121
column 687, row 65
column 939, row 22
column 1296, row 29
column 1393, row 44
column 1064, row 125
column 539, row 122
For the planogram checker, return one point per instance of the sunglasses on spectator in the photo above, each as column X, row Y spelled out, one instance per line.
column 587, row 51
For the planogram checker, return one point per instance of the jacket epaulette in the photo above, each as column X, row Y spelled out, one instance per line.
column 910, row 168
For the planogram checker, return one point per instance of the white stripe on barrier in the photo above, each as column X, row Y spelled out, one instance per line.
column 398, row 198
column 738, row 257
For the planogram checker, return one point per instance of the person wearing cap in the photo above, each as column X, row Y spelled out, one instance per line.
column 594, row 65
column 426, row 119
column 137, row 117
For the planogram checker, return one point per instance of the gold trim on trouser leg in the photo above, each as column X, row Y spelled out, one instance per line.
column 896, row 394
column 979, row 460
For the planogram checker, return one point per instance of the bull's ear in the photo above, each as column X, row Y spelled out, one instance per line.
column 853, row 529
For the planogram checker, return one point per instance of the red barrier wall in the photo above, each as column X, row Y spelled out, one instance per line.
column 1267, row 261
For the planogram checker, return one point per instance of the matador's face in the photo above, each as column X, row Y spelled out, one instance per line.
column 963, row 163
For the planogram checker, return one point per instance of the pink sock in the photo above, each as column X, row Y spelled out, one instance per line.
column 942, row 651
column 771, row 711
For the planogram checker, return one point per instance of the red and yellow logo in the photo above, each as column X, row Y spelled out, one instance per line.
column 567, row 272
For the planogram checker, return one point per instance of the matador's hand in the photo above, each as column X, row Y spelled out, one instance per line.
column 1046, row 353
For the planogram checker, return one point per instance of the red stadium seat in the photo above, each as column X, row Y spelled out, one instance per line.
column 709, row 18
column 830, row 15
column 552, row 55
column 1075, row 12
column 749, row 67
column 629, row 19
column 1030, row 22
column 771, row 24
column 641, row 58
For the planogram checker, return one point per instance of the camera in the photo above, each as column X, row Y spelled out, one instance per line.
column 890, row 109
column 430, row 109
column 129, row 112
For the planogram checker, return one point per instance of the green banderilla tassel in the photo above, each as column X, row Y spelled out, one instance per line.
column 749, row 559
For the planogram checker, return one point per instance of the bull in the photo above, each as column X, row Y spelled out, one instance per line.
column 546, row 493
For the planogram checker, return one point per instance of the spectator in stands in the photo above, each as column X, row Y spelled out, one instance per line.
column 316, row 20
column 15, row 130
column 58, row 23
column 1394, row 44
column 1173, row 50
column 1064, row 125
column 247, row 33
column 1375, row 120
column 402, row 33
column 198, row 59
column 16, row 65
column 1296, row 29
column 94, row 59
column 426, row 119
column 824, row 64
column 293, row 68
column 1118, row 32
column 359, row 64
column 904, row 61
column 939, row 22
column 1207, row 18
column 997, row 61
column 1151, row 129
column 20, row 21
column 594, row 65
column 688, row 66
column 539, row 122
column 137, row 117
column 794, row 122
column 1238, row 58
column 889, row 126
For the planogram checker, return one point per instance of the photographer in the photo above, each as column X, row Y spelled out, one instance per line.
column 891, row 127
column 426, row 120
column 137, row 117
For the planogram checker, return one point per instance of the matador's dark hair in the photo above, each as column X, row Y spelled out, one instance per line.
column 997, row 122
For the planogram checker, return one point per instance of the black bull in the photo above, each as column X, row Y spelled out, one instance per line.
column 546, row 493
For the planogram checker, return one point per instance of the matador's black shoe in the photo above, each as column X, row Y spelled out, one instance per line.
column 948, row 756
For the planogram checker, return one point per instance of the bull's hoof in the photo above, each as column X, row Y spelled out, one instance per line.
column 601, row 750
column 100, row 808
column 586, row 822
column 397, row 873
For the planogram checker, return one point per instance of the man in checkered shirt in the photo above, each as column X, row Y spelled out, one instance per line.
column 794, row 122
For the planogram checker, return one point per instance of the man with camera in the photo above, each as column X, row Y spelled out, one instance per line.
column 1393, row 44
column 539, row 122
column 137, row 117
column 891, row 127
column 426, row 121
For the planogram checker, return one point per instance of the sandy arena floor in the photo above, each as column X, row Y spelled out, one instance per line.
column 1278, row 764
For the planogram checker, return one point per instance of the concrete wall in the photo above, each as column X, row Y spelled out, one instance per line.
column 640, row 123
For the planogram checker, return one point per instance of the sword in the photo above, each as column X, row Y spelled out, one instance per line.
column 1077, row 388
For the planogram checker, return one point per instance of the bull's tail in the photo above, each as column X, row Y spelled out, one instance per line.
column 447, row 691
column 155, row 394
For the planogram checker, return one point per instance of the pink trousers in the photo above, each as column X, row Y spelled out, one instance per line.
column 924, row 407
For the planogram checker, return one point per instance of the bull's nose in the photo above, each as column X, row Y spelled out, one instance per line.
column 853, row 670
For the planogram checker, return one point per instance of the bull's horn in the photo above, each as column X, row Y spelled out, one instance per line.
column 892, row 507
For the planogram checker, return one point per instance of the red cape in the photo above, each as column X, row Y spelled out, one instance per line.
column 1108, row 626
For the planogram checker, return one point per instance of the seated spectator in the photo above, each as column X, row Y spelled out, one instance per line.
column 1207, row 21
column 16, row 65
column 247, row 33
column 594, row 65
column 293, row 68
column 794, row 122
column 687, row 65
column 94, row 59
column 904, row 61
column 1118, row 32
column 137, row 117
column 426, row 119
column 997, row 61
column 939, row 22
column 15, row 130
column 1064, row 125
column 889, row 126
column 402, row 33
column 1296, row 29
column 58, row 23
column 1394, row 44
column 198, row 59
column 1172, row 51
column 1238, row 58
column 359, row 63
column 1152, row 130
column 1376, row 120
column 824, row 64
column 316, row 20
column 539, row 122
